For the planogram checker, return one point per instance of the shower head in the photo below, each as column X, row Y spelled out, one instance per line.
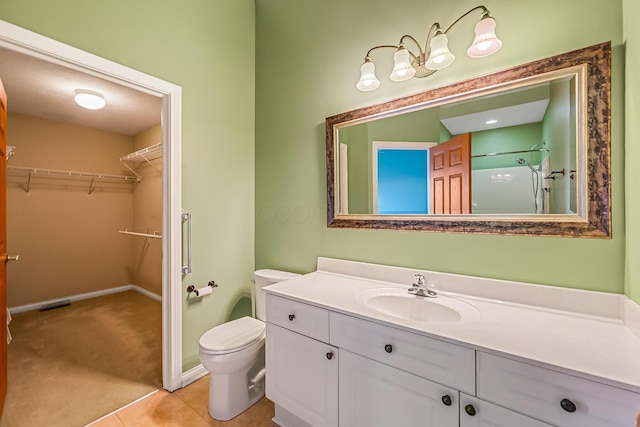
column 523, row 162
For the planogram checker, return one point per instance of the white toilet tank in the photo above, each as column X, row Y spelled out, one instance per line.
column 264, row 278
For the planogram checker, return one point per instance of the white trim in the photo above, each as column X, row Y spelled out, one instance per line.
column 87, row 295
column 343, row 178
column 193, row 375
column 27, row 42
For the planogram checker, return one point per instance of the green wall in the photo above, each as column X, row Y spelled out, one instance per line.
column 308, row 59
column 632, row 148
column 208, row 48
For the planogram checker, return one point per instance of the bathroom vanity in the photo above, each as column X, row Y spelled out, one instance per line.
column 347, row 345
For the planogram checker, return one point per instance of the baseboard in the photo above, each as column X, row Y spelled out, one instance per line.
column 193, row 375
column 79, row 297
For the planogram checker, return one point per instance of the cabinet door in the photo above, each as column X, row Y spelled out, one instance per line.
column 477, row 413
column 376, row 395
column 302, row 376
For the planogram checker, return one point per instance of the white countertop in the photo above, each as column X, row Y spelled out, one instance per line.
column 573, row 340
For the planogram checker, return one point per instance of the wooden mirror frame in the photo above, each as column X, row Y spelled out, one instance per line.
column 596, row 60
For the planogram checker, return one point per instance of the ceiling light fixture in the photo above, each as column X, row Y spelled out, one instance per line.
column 435, row 55
column 491, row 122
column 89, row 99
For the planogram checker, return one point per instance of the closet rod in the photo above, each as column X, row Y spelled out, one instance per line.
column 509, row 152
column 52, row 173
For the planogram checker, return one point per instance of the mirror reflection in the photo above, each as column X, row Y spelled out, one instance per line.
column 521, row 157
column 525, row 150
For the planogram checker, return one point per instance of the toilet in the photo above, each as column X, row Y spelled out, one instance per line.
column 233, row 353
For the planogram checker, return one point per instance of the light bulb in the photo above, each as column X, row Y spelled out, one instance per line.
column 368, row 80
column 440, row 56
column 402, row 68
column 486, row 42
column 89, row 100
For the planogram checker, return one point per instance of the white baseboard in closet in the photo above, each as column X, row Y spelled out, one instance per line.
column 79, row 297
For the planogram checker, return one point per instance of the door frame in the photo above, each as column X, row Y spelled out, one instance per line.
column 41, row 47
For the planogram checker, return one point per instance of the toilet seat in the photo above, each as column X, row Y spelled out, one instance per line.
column 232, row 336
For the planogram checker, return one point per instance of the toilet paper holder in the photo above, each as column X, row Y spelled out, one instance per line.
column 192, row 288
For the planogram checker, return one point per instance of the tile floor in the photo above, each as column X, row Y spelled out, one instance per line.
column 185, row 407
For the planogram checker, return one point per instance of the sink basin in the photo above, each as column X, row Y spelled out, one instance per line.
column 399, row 303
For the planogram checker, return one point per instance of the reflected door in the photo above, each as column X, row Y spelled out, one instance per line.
column 450, row 177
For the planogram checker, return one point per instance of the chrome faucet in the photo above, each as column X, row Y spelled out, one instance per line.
column 419, row 287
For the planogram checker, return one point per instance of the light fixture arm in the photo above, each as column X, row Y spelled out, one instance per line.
column 435, row 55
column 485, row 13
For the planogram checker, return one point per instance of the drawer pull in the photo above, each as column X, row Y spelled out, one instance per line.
column 330, row 355
column 291, row 317
column 568, row 405
column 388, row 348
column 470, row 410
column 446, row 399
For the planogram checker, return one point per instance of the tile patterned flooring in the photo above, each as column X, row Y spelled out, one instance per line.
column 184, row 407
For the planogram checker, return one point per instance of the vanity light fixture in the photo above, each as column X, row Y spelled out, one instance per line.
column 89, row 99
column 435, row 55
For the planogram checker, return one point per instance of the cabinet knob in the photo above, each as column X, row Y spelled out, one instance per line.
column 568, row 405
column 446, row 399
column 388, row 348
column 470, row 410
column 291, row 317
column 330, row 355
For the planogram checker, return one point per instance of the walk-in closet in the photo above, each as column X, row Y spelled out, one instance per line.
column 84, row 213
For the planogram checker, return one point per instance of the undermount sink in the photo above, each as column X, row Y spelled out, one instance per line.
column 399, row 303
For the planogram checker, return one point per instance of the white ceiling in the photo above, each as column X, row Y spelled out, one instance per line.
column 39, row 88
column 514, row 115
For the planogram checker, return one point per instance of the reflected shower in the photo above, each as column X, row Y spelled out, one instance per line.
column 522, row 161
column 535, row 181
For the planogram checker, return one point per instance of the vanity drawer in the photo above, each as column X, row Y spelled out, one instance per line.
column 298, row 317
column 551, row 396
column 447, row 364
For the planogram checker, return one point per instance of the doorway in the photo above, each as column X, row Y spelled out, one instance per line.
column 42, row 48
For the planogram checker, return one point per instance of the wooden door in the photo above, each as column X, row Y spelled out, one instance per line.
column 3, row 246
column 450, row 176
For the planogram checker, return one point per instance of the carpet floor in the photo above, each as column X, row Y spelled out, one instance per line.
column 72, row 365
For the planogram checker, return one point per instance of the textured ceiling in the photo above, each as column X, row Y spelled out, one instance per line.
column 39, row 88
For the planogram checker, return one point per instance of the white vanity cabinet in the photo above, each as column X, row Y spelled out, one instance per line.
column 302, row 370
column 334, row 369
column 478, row 413
column 376, row 395
column 554, row 397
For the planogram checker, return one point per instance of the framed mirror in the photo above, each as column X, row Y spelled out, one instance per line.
column 521, row 151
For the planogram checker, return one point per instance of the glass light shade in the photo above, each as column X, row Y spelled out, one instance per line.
column 402, row 69
column 486, row 41
column 89, row 100
column 368, row 80
column 440, row 56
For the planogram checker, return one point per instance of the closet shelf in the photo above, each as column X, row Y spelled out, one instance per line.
column 131, row 232
column 145, row 155
column 61, row 174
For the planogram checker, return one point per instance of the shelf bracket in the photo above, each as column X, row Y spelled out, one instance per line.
column 91, row 186
column 28, row 182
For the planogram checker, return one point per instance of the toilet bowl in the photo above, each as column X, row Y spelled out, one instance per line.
column 233, row 353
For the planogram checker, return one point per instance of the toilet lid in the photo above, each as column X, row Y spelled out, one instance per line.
column 232, row 336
